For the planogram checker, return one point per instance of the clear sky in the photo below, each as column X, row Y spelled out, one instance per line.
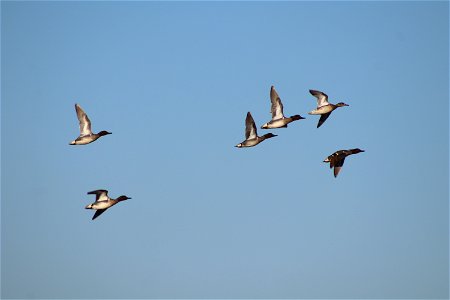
column 173, row 82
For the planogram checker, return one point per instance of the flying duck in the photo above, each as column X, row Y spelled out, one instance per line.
column 336, row 159
column 103, row 202
column 324, row 108
column 278, row 118
column 251, row 135
column 86, row 135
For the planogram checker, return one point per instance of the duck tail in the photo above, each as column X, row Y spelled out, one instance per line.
column 297, row 117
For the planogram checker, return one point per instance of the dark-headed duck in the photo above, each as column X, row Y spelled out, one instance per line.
column 324, row 108
column 251, row 135
column 86, row 135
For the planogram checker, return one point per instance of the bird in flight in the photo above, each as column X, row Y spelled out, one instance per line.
column 86, row 135
column 103, row 202
column 278, row 118
column 324, row 108
column 337, row 159
column 251, row 135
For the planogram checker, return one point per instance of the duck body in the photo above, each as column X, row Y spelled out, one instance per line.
column 87, row 139
column 251, row 134
column 337, row 159
column 249, row 143
column 255, row 141
column 324, row 108
column 86, row 134
column 278, row 118
column 281, row 123
column 103, row 202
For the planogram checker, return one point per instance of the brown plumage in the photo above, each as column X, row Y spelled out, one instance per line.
column 278, row 118
column 103, row 202
column 86, row 134
column 251, row 134
column 337, row 159
column 324, row 108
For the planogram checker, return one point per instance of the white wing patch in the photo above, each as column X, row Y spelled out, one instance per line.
column 322, row 101
column 251, row 134
column 85, row 128
column 322, row 98
column 250, row 127
column 85, row 123
column 102, row 196
column 277, row 107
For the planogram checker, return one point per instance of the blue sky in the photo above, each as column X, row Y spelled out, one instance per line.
column 173, row 82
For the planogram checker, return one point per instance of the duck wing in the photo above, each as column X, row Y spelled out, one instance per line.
column 322, row 98
column 100, row 195
column 85, row 123
column 98, row 212
column 338, row 163
column 323, row 118
column 277, row 107
column 250, row 127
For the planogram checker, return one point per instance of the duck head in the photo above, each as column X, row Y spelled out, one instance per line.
column 89, row 206
column 265, row 126
column 104, row 132
column 239, row 145
column 357, row 150
column 269, row 135
column 123, row 198
column 340, row 104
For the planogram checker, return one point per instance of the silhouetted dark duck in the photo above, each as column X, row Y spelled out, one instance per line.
column 278, row 118
column 86, row 135
column 103, row 202
column 337, row 159
column 324, row 108
column 251, row 135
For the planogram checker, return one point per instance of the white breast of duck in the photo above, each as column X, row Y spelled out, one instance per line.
column 102, row 204
column 87, row 139
column 323, row 110
column 251, row 142
column 276, row 123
